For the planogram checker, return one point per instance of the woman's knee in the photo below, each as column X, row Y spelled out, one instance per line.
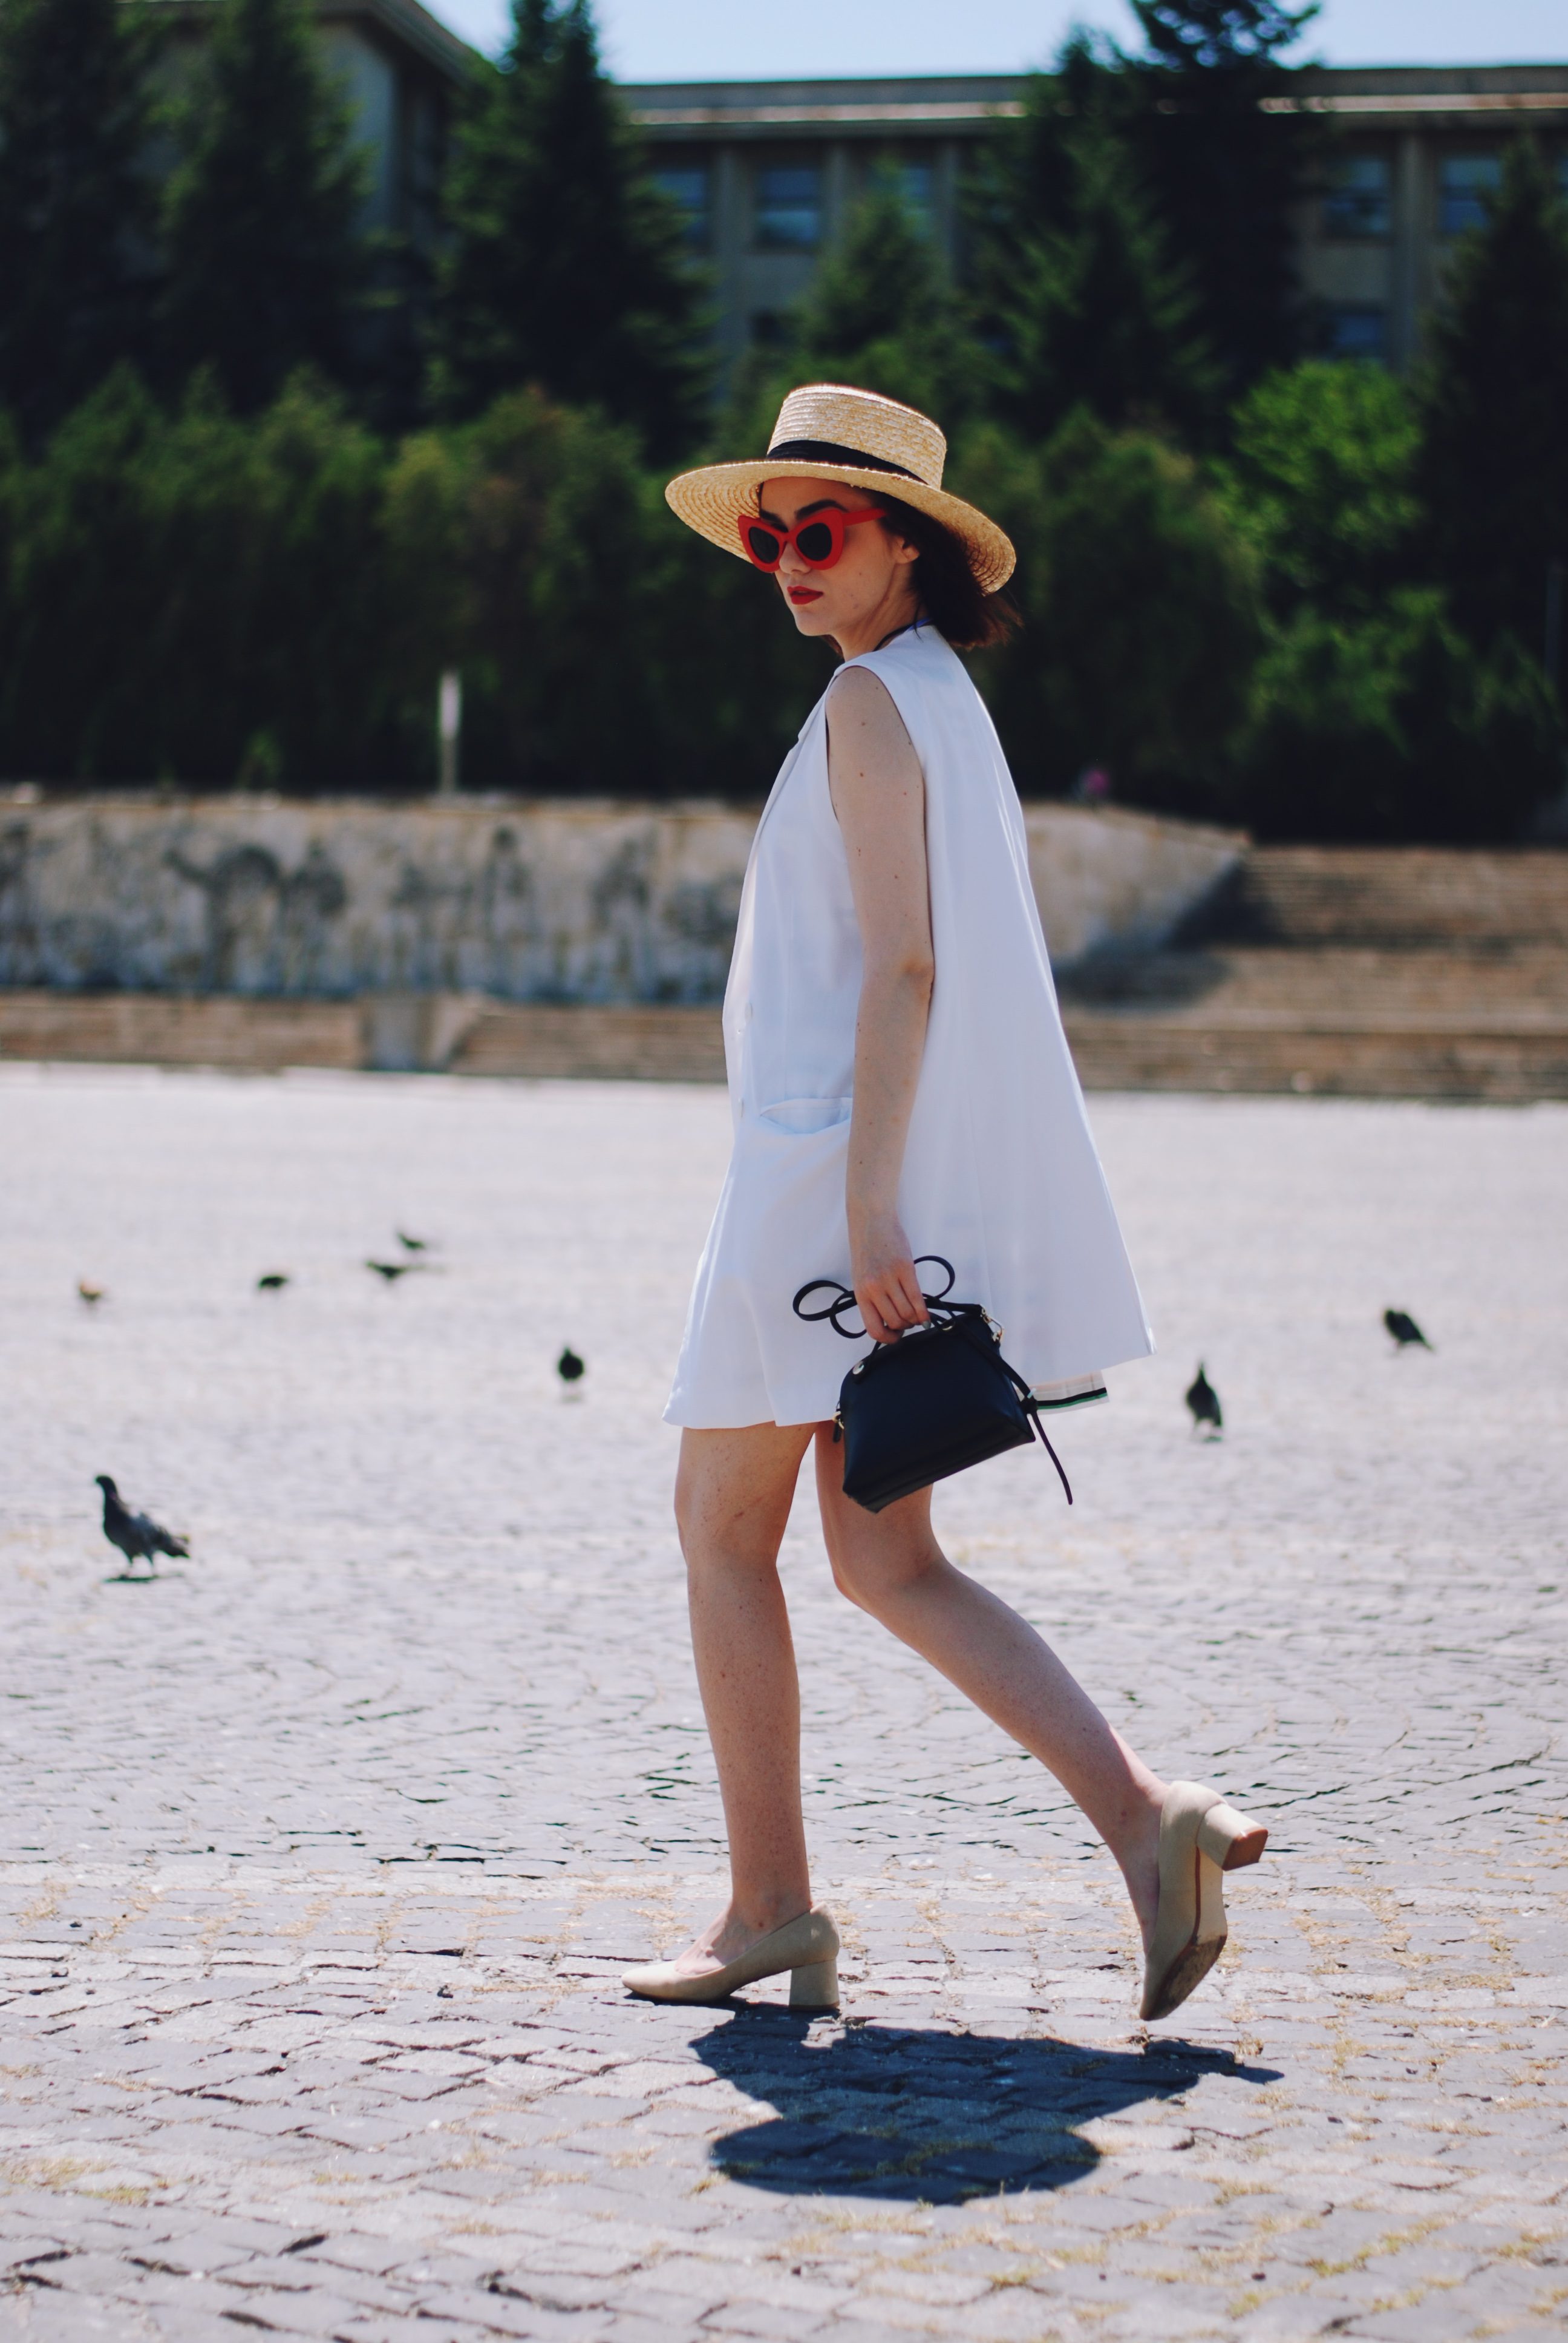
column 877, row 1578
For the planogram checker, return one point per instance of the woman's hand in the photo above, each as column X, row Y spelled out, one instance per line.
column 885, row 1281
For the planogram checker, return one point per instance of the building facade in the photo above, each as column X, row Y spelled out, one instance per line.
column 767, row 173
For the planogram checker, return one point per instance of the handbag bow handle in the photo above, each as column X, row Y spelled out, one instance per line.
column 833, row 1311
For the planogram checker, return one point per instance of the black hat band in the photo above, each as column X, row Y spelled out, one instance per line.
column 824, row 451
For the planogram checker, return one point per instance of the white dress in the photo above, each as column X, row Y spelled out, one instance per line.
column 1000, row 1173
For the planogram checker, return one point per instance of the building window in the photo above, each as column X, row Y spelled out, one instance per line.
column 1356, row 203
column 1463, row 183
column 1353, row 329
column 688, row 185
column 789, row 215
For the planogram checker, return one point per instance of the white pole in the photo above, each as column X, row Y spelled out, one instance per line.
column 449, row 726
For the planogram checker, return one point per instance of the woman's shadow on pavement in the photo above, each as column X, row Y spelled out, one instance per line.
column 917, row 2114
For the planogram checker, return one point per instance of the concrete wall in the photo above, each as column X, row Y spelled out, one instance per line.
column 567, row 901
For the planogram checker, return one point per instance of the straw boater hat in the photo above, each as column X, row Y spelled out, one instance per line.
column 826, row 432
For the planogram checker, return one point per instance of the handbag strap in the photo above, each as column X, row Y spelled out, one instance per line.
column 1027, row 1400
column 833, row 1311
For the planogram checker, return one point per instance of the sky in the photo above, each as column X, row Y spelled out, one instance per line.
column 737, row 40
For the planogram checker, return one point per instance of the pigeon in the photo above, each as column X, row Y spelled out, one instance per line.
column 273, row 1282
column 1404, row 1330
column 89, row 1294
column 1204, row 1401
column 392, row 1270
column 412, row 1244
column 138, row 1537
column 569, row 1367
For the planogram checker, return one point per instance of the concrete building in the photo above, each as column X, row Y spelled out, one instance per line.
column 766, row 172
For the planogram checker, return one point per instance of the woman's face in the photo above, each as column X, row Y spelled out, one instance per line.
column 867, row 592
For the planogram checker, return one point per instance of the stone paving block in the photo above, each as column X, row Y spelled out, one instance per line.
column 633, row 2324
column 764, row 2318
column 497, row 2314
column 61, row 2318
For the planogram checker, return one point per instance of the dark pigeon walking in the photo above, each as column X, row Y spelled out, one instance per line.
column 273, row 1281
column 569, row 1367
column 138, row 1537
column 1404, row 1330
column 1204, row 1401
column 392, row 1270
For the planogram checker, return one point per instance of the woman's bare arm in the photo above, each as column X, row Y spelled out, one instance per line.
column 879, row 796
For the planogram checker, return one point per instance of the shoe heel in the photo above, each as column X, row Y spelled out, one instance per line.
column 1230, row 1839
column 815, row 1987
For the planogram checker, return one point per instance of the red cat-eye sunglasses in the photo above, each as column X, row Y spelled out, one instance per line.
column 818, row 540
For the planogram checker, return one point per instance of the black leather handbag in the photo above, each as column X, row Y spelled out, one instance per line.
column 938, row 1400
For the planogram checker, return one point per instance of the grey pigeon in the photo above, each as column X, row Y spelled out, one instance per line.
column 411, row 1244
column 1404, row 1330
column 138, row 1537
column 1204, row 1401
column 392, row 1270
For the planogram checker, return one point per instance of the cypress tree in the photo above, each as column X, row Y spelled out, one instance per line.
column 74, row 208
column 265, row 268
column 1080, row 291
column 1494, row 459
column 882, row 315
column 564, row 266
column 1211, row 119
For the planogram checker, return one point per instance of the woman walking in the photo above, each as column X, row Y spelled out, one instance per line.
column 899, row 1077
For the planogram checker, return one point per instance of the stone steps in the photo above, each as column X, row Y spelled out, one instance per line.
column 1328, row 1059
column 1382, row 973
column 609, row 1044
column 1321, row 1042
column 1393, row 898
column 163, row 1029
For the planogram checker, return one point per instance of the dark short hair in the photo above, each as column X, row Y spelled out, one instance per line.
column 969, row 618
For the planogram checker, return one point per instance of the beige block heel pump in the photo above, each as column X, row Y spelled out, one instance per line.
column 1200, row 1838
column 806, row 1949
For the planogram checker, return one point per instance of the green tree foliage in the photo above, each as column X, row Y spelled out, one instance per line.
column 1322, row 476
column 1393, row 727
column 74, row 208
column 265, row 270
column 882, row 315
column 1078, row 288
column 1494, row 400
column 564, row 264
column 1208, row 115
column 195, row 597
column 1141, row 609
column 1374, row 717
column 603, row 647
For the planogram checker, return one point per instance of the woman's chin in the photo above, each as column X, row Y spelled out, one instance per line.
column 812, row 618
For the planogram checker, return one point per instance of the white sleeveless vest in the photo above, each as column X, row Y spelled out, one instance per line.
column 1000, row 1173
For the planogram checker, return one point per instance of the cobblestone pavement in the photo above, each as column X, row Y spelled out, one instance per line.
column 319, row 1856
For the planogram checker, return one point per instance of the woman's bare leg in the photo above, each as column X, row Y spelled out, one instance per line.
column 890, row 1564
column 732, row 1497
